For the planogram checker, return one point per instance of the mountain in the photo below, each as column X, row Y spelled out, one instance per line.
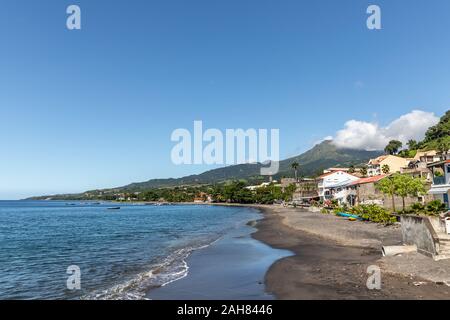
column 326, row 155
column 312, row 162
column 317, row 159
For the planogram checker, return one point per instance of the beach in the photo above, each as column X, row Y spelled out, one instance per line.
column 231, row 268
column 294, row 254
column 331, row 257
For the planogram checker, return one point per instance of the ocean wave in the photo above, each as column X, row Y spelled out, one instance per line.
column 172, row 268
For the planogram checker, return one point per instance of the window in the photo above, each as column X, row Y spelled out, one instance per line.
column 448, row 169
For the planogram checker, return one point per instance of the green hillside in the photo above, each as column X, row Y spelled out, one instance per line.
column 312, row 162
column 317, row 159
column 438, row 134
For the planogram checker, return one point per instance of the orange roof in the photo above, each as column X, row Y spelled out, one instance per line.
column 369, row 179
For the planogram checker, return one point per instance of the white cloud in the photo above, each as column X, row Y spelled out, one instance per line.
column 327, row 138
column 371, row 136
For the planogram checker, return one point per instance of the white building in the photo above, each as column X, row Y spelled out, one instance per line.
column 330, row 185
column 262, row 185
column 440, row 188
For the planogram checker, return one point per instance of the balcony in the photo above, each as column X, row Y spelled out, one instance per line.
column 437, row 181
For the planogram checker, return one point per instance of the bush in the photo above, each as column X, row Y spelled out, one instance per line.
column 435, row 207
column 324, row 211
column 340, row 209
column 417, row 207
column 374, row 213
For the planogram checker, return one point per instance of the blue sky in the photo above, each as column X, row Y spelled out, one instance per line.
column 96, row 107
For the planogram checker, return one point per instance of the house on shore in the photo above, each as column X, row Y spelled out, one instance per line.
column 331, row 185
column 364, row 192
column 418, row 166
column 375, row 166
column 440, row 189
column 306, row 189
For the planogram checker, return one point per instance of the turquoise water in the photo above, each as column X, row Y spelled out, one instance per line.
column 121, row 253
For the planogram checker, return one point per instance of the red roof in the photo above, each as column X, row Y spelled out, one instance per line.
column 370, row 179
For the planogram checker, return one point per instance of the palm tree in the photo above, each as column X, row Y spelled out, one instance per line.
column 412, row 144
column 295, row 165
column 363, row 171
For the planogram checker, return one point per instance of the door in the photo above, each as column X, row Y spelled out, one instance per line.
column 446, row 200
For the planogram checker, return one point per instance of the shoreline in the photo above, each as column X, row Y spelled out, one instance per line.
column 328, row 259
column 325, row 266
column 231, row 268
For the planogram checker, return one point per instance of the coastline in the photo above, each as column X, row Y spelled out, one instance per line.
column 290, row 253
column 231, row 268
column 329, row 265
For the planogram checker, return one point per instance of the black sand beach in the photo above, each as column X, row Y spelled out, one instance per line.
column 232, row 268
column 326, row 269
column 277, row 261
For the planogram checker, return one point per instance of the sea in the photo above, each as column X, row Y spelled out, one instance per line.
column 87, row 250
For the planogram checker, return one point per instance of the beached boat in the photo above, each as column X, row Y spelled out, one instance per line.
column 348, row 215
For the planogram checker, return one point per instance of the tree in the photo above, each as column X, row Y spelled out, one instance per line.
column 351, row 169
column 295, row 165
column 393, row 147
column 443, row 145
column 386, row 169
column 412, row 144
column 441, row 130
column 417, row 187
column 401, row 186
column 289, row 191
column 387, row 187
column 363, row 171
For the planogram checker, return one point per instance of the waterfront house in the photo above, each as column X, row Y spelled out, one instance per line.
column 440, row 189
column 364, row 192
column 361, row 191
column 418, row 166
column 306, row 189
column 331, row 185
column 375, row 166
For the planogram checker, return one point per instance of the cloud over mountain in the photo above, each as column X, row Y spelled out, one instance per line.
column 364, row 135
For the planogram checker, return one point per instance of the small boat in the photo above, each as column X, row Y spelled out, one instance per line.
column 114, row 208
column 348, row 215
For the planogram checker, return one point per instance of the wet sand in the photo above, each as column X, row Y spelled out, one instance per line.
column 232, row 268
column 326, row 269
